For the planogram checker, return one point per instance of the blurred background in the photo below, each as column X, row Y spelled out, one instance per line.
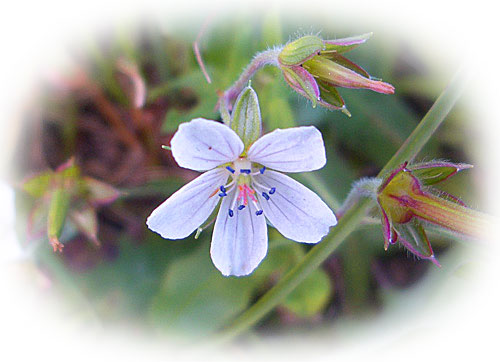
column 121, row 96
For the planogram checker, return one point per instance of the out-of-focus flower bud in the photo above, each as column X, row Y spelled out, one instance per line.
column 66, row 194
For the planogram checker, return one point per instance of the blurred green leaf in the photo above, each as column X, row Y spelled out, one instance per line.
column 37, row 185
column 276, row 110
column 281, row 257
column 311, row 296
column 195, row 298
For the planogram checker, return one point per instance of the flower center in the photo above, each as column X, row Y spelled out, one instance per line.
column 245, row 187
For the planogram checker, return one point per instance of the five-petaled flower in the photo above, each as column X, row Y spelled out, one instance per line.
column 246, row 181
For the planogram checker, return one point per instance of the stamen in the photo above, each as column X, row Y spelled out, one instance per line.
column 266, row 196
column 272, row 191
column 222, row 194
column 246, row 170
column 241, row 207
column 223, row 189
column 235, row 199
column 230, row 169
column 262, row 170
column 257, row 207
column 257, row 186
column 231, row 213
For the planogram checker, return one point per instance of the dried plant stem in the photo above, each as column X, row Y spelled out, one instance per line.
column 112, row 116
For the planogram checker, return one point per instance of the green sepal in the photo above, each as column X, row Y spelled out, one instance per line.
column 431, row 173
column 38, row 185
column 298, row 51
column 58, row 209
column 306, row 82
column 330, row 94
column 310, row 296
column 246, row 119
column 412, row 235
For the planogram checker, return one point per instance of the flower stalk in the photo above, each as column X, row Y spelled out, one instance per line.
column 267, row 57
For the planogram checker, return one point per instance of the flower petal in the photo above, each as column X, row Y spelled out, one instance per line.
column 202, row 144
column 345, row 44
column 239, row 243
column 297, row 212
column 297, row 149
column 189, row 207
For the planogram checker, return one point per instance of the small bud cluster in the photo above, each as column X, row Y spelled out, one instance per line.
column 65, row 193
column 315, row 68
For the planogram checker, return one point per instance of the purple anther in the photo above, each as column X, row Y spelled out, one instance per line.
column 241, row 207
column 231, row 213
column 266, row 196
column 272, row 191
column 262, row 170
column 222, row 194
column 246, row 170
column 259, row 212
column 230, row 169
column 223, row 189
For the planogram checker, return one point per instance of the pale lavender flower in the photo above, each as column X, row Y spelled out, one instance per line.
column 246, row 181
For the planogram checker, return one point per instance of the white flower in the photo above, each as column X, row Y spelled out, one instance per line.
column 250, row 188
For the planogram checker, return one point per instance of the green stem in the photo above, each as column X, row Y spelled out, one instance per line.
column 349, row 221
column 429, row 124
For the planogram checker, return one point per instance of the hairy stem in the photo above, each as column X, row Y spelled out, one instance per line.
column 267, row 57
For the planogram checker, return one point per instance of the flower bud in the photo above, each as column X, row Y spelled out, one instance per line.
column 314, row 68
column 246, row 120
column 300, row 50
column 64, row 194
column 404, row 203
